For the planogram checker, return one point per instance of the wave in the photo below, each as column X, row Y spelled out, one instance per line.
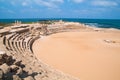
column 98, row 25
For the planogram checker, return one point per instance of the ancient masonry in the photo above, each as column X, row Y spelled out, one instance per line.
column 17, row 60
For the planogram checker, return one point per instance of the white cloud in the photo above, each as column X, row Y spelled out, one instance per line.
column 24, row 4
column 20, row 2
column 3, row 9
column 78, row 1
column 59, row 1
column 104, row 3
column 46, row 3
column 49, row 3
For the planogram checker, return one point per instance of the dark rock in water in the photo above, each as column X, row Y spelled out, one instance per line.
column 1, row 75
column 29, row 78
column 5, row 68
column 16, row 77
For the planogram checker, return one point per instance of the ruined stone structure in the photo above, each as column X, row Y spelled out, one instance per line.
column 18, row 43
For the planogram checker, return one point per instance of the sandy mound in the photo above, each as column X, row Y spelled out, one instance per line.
column 87, row 55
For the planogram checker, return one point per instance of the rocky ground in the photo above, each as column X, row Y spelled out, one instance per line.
column 10, row 69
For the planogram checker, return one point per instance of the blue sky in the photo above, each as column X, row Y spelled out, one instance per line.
column 101, row 9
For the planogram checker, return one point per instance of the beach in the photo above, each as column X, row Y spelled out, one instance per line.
column 88, row 55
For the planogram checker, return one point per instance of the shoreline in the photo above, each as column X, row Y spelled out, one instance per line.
column 101, row 23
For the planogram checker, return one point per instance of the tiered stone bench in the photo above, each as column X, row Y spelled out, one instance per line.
column 31, row 43
column 18, row 42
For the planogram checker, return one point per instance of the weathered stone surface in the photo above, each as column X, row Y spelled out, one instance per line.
column 19, row 71
column 1, row 58
column 2, row 52
column 4, row 58
column 9, row 60
column 5, row 68
column 16, row 77
column 14, row 68
column 38, row 77
column 18, row 63
column 1, row 74
column 29, row 78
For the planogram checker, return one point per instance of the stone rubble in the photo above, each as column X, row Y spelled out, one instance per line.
column 11, row 69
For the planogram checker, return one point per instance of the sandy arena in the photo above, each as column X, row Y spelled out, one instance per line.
column 83, row 54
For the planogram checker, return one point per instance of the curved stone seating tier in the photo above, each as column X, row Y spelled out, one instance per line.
column 6, row 41
column 4, row 32
column 10, row 36
column 32, row 41
column 19, row 42
column 16, row 46
column 19, row 37
column 23, row 44
column 11, row 42
column 20, row 47
column 15, row 39
column 25, row 35
column 22, row 30
column 28, row 43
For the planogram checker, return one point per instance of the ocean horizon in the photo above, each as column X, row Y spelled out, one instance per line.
column 101, row 23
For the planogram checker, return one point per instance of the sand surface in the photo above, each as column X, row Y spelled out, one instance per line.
column 82, row 54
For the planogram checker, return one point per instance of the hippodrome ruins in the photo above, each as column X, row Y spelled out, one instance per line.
column 17, row 59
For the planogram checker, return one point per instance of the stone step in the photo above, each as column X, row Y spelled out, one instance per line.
column 23, row 45
column 26, row 42
column 31, row 43
column 22, row 49
column 11, row 42
column 16, row 43
column 8, row 37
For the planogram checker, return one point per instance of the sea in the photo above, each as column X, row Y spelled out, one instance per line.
column 101, row 23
